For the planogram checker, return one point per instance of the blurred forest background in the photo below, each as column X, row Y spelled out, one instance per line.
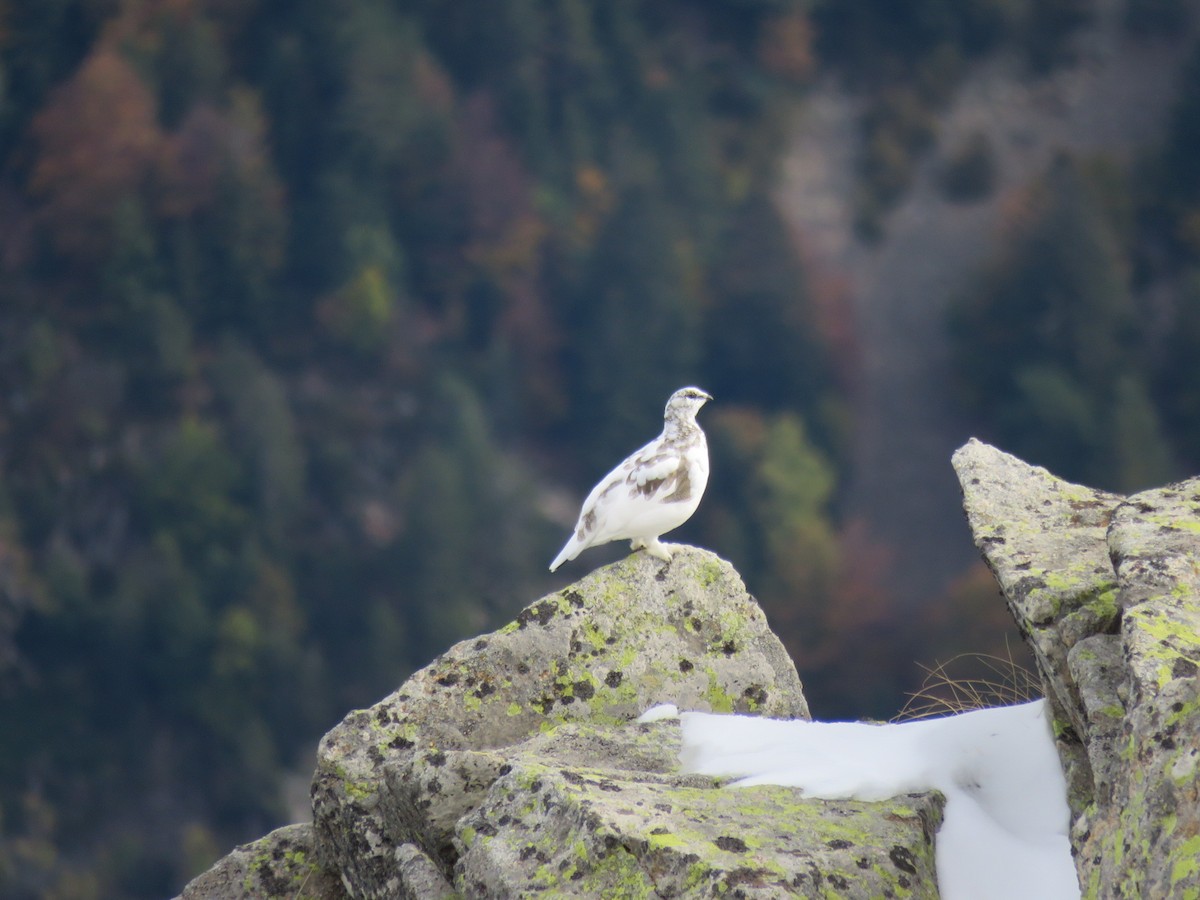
column 318, row 318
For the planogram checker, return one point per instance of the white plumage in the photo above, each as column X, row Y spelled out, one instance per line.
column 652, row 492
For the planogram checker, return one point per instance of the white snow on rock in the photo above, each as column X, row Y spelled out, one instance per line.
column 1005, row 830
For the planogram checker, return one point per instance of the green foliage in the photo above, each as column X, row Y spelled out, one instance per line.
column 633, row 303
column 1056, row 358
column 761, row 343
column 43, row 354
column 1047, row 335
column 385, row 110
column 191, row 487
column 360, row 313
column 470, row 534
column 768, row 509
column 263, row 430
column 1141, row 451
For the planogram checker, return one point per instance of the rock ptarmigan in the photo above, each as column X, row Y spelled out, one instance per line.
column 653, row 491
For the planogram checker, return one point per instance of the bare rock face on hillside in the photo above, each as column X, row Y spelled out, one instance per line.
column 512, row 766
column 1107, row 591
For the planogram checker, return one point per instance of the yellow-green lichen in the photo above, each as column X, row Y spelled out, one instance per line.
column 358, row 790
column 709, row 572
column 293, row 865
column 1187, row 861
column 718, row 699
column 667, row 839
column 1164, row 639
column 595, row 636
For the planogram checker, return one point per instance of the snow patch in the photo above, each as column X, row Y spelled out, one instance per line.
column 1005, row 829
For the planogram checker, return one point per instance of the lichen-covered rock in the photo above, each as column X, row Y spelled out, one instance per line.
column 420, row 878
column 1142, row 837
column 280, row 866
column 630, row 635
column 566, row 822
column 1107, row 591
column 1044, row 539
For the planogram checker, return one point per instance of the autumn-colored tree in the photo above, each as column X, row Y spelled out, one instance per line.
column 97, row 141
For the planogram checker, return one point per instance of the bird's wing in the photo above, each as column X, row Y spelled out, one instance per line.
column 640, row 476
column 653, row 467
column 655, row 477
column 656, row 473
column 658, row 477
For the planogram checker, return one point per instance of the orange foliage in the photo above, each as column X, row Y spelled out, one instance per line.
column 785, row 47
column 97, row 143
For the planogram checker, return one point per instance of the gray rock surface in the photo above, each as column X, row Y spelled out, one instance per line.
column 625, row 637
column 565, row 820
column 1107, row 591
column 511, row 766
column 280, row 866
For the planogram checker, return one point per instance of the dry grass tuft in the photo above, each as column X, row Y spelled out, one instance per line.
column 970, row 681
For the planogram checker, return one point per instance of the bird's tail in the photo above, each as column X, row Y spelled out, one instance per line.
column 568, row 552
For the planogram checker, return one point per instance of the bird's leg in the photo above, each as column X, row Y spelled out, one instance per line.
column 656, row 549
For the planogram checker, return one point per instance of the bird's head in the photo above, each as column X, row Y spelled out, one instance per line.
column 686, row 402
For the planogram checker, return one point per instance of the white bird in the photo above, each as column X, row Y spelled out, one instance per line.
column 653, row 491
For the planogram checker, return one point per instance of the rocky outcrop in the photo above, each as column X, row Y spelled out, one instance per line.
column 1107, row 591
column 280, row 866
column 512, row 765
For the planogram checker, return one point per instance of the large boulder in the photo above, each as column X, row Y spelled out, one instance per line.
column 1107, row 591
column 512, row 765
column 627, row 636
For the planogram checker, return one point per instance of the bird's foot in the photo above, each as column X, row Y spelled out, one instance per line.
column 653, row 547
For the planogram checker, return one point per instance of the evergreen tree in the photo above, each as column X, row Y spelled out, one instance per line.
column 1048, row 333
